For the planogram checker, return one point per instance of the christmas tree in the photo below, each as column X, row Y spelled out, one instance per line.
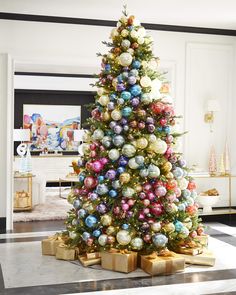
column 134, row 191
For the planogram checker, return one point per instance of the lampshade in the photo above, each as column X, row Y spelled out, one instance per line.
column 213, row 105
column 21, row 135
column 78, row 135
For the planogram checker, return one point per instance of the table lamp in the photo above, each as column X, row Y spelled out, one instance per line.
column 23, row 135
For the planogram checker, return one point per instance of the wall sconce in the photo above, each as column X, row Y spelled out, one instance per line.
column 212, row 107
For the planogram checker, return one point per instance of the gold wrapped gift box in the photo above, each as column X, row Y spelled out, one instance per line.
column 93, row 255
column 64, row 252
column 202, row 240
column 122, row 261
column 205, row 258
column 21, row 199
column 168, row 263
column 189, row 251
column 49, row 245
column 88, row 262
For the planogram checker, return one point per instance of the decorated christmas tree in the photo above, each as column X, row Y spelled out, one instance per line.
column 134, row 191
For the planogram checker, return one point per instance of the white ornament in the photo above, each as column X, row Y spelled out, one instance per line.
column 167, row 99
column 141, row 32
column 114, row 33
column 134, row 34
column 125, row 59
column 116, row 115
column 100, row 91
column 156, row 226
column 114, row 154
column 124, row 33
column 123, row 237
column 98, row 134
column 183, row 183
column 140, row 40
column 102, row 240
column 159, row 146
column 145, row 81
column 104, row 100
column 132, row 164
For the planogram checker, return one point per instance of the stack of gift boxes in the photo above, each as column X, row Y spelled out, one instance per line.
column 163, row 262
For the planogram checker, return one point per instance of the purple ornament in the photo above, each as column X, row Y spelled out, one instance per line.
column 123, row 161
column 101, row 208
column 123, row 121
column 129, row 214
column 135, row 102
column 151, row 128
column 150, row 120
column 111, row 106
column 125, row 207
column 93, row 196
column 120, row 87
column 117, row 129
column 182, row 162
column 160, row 191
column 97, row 166
column 132, row 80
column 112, row 124
column 111, row 174
column 145, row 226
column 104, row 161
column 125, row 69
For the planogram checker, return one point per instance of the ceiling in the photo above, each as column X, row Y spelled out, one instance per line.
column 202, row 13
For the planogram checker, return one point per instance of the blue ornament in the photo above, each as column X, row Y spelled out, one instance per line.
column 193, row 194
column 96, row 233
column 100, row 178
column 126, row 111
column 113, row 193
column 120, row 78
column 85, row 236
column 135, row 90
column 185, row 193
column 134, row 73
column 181, row 207
column 159, row 129
column 126, row 95
column 136, row 64
column 120, row 169
column 167, row 129
column 123, row 161
column 125, row 75
column 112, row 96
column 91, row 221
column 159, row 240
column 80, row 162
column 76, row 204
column 130, row 28
column 107, row 67
column 81, row 213
column 178, row 226
column 178, row 173
column 81, row 178
column 120, row 87
column 102, row 189
column 125, row 226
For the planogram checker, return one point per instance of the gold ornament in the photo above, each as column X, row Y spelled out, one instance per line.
column 124, row 177
column 138, row 188
column 169, row 175
column 106, row 220
column 167, row 167
column 141, row 143
column 106, row 116
column 169, row 227
column 110, row 230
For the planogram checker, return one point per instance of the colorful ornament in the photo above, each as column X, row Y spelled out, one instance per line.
column 159, row 240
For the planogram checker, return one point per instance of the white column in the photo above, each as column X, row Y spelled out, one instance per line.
column 6, row 137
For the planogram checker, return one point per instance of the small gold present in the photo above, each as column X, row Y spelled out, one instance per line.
column 93, row 255
column 122, row 261
column 166, row 263
column 21, row 199
column 50, row 244
column 205, row 258
column 189, row 251
column 64, row 252
column 202, row 240
column 88, row 262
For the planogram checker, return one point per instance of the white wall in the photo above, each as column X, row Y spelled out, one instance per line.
column 204, row 66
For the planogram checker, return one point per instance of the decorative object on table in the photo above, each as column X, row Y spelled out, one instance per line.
column 189, row 250
column 166, row 263
column 212, row 107
column 21, row 200
column 49, row 245
column 212, row 162
column 226, row 159
column 75, row 167
column 207, row 199
column 202, row 240
column 221, row 166
column 52, row 126
column 205, row 258
column 122, row 261
column 23, row 135
column 88, row 262
column 129, row 166
column 64, row 252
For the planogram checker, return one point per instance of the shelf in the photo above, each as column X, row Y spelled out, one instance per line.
column 218, row 212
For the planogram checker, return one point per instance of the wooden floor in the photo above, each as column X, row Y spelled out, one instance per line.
column 38, row 226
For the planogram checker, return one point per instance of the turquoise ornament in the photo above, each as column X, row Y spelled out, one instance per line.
column 126, row 112
column 91, row 221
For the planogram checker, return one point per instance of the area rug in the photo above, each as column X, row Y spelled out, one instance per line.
column 55, row 208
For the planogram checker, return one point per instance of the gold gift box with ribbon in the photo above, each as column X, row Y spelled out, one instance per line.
column 122, row 261
column 189, row 251
column 88, row 262
column 166, row 263
column 205, row 258
column 64, row 252
column 49, row 245
column 93, row 255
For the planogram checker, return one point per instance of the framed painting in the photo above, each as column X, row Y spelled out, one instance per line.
column 52, row 126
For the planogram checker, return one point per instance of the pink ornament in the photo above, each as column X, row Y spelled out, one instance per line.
column 131, row 202
column 178, row 192
column 97, row 166
column 76, row 191
column 146, row 210
column 125, row 207
column 102, row 148
column 192, row 185
column 151, row 196
column 193, row 234
column 104, row 161
column 160, row 191
column 93, row 154
column 171, row 198
column 157, row 209
column 141, row 216
column 89, row 242
column 147, row 187
column 116, row 210
column 93, row 146
column 83, row 192
column 142, row 195
column 169, row 109
column 146, row 202
column 158, row 183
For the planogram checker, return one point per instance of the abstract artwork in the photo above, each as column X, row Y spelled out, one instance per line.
column 52, row 126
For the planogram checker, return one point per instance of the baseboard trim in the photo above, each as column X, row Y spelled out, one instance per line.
column 3, row 225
